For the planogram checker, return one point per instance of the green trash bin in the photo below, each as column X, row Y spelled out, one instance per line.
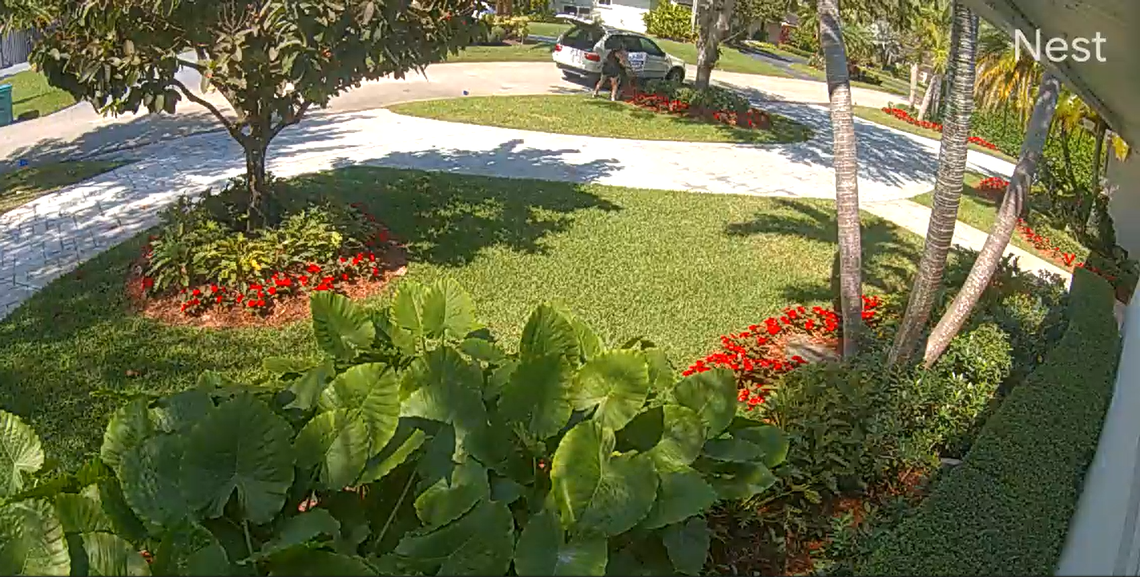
column 5, row 104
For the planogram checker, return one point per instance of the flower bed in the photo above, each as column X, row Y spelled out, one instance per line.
column 753, row 118
column 196, row 268
column 759, row 356
column 993, row 183
column 905, row 116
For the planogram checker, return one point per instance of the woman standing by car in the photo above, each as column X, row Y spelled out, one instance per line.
column 615, row 68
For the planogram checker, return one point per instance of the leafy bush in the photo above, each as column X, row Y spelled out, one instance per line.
column 1006, row 509
column 670, row 20
column 503, row 28
column 806, row 39
column 417, row 446
column 711, row 98
column 203, row 252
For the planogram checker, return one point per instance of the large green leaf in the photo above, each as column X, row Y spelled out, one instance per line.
column 241, row 445
column 712, row 394
column 617, row 383
column 771, row 441
column 82, row 512
column 403, row 443
column 446, row 388
column 446, row 498
column 339, row 443
column 588, row 341
column 339, row 327
column 128, row 428
column 542, row 550
column 682, row 436
column 307, row 388
column 598, row 493
column 661, row 377
column 538, row 395
column 741, row 480
column 482, row 350
column 688, row 545
column 189, row 549
column 20, row 453
column 732, row 449
column 181, row 411
column 361, row 411
column 407, row 309
column 300, row 529
column 549, row 332
column 111, row 556
column 151, row 479
column 448, row 311
column 682, row 494
column 478, row 543
column 32, row 541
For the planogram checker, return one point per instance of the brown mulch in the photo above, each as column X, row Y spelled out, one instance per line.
column 165, row 308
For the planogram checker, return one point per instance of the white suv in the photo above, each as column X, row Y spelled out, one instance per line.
column 581, row 50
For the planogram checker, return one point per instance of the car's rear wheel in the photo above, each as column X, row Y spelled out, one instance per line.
column 676, row 75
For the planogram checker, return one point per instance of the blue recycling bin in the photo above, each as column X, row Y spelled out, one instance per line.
column 5, row 104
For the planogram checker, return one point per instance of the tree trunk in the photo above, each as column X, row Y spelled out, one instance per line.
column 913, row 84
column 947, row 189
column 1092, row 215
column 935, row 80
column 846, row 163
column 1012, row 202
column 714, row 19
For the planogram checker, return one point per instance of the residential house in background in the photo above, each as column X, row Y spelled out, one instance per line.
column 625, row 14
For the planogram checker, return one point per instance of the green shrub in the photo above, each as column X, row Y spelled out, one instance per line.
column 417, row 446
column 669, row 20
column 1006, row 509
column 711, row 98
column 806, row 39
column 503, row 28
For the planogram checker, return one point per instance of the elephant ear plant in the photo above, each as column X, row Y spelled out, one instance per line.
column 418, row 446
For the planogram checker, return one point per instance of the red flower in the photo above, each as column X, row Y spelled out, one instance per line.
column 239, row 298
column 147, row 283
column 213, row 288
column 303, row 279
column 313, row 269
column 196, row 292
column 219, row 298
column 272, row 290
column 255, row 287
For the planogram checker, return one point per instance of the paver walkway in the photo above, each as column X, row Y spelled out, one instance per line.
column 51, row 235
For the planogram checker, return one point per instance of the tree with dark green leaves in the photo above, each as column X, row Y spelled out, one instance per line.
column 272, row 60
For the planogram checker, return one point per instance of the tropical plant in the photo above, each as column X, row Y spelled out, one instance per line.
column 947, row 188
column 934, row 25
column 1007, row 216
column 416, row 446
column 846, row 163
column 272, row 60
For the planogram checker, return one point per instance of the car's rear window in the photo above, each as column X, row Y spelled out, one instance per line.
column 582, row 38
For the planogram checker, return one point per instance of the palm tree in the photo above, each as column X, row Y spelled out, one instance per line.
column 846, row 164
column 934, row 23
column 1011, row 205
column 948, row 188
column 713, row 18
column 1004, row 80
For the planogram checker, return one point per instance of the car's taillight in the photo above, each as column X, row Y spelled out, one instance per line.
column 593, row 57
column 557, row 47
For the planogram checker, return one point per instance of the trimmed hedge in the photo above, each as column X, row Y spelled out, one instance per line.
column 1006, row 509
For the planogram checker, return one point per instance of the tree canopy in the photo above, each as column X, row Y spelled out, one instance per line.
column 272, row 60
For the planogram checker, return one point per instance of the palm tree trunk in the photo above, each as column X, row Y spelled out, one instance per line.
column 991, row 254
column 846, row 163
column 947, row 189
column 714, row 19
column 935, row 80
column 913, row 84
column 1092, row 215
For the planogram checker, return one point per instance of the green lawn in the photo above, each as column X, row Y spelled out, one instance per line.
column 581, row 114
column 32, row 94
column 769, row 47
column 678, row 268
column 731, row 59
column 552, row 29
column 979, row 209
column 538, row 52
column 879, row 117
column 26, row 184
column 890, row 85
